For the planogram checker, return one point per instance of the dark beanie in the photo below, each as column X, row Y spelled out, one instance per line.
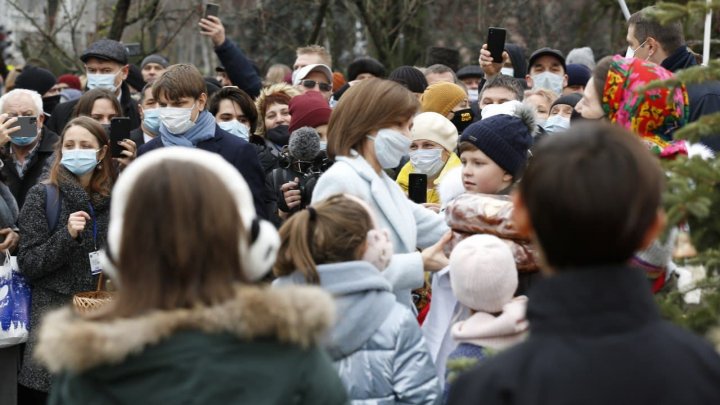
column 134, row 78
column 578, row 75
column 35, row 78
column 308, row 110
column 409, row 77
column 503, row 138
column 569, row 99
column 365, row 65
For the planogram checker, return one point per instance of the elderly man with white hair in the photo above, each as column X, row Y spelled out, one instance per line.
column 25, row 157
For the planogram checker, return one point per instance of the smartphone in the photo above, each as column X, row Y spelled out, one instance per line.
column 496, row 43
column 28, row 127
column 212, row 9
column 417, row 188
column 133, row 49
column 119, row 130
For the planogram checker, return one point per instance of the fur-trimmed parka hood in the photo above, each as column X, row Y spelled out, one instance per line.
column 296, row 315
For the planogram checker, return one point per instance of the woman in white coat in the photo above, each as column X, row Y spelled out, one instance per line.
column 369, row 131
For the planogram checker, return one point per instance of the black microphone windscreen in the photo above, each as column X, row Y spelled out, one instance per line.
column 304, row 144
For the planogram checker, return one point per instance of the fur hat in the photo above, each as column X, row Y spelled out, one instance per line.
column 365, row 65
column 410, row 77
column 504, row 138
column 444, row 56
column 441, row 97
column 483, row 275
column 308, row 110
column 258, row 248
column 36, row 79
column 582, row 56
column 434, row 127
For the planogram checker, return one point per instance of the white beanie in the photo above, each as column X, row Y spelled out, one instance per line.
column 432, row 126
column 483, row 275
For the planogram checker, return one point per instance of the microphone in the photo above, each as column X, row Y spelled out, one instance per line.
column 304, row 144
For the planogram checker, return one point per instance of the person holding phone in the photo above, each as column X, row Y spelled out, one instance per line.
column 237, row 66
column 24, row 158
column 102, row 106
column 434, row 138
column 56, row 260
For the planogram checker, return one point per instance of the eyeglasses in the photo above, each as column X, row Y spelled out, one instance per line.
column 310, row 84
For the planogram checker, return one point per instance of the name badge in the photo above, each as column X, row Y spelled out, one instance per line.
column 95, row 267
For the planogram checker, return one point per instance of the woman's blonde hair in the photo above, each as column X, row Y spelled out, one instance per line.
column 366, row 107
column 280, row 93
column 333, row 230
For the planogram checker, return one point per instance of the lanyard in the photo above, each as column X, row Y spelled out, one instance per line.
column 92, row 216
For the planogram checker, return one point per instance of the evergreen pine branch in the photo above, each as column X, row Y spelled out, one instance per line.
column 704, row 126
column 666, row 13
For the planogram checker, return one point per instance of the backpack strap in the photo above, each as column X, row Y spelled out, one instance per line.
column 52, row 206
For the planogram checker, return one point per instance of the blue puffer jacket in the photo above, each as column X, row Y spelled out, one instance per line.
column 376, row 342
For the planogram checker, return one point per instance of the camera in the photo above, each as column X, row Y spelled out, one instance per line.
column 307, row 172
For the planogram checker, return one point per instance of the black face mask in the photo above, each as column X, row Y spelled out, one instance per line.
column 280, row 135
column 462, row 119
column 49, row 103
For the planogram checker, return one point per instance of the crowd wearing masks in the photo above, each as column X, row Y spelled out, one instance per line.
column 489, row 233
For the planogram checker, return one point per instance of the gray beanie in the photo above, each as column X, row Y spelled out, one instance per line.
column 582, row 56
column 155, row 58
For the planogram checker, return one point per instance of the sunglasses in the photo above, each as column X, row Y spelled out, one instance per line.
column 310, row 84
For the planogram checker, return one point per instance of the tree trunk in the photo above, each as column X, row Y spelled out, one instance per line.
column 119, row 18
column 319, row 18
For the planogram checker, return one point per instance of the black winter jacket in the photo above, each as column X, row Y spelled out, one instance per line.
column 596, row 337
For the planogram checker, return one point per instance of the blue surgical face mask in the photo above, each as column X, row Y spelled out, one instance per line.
column 79, row 161
column 151, row 120
column 556, row 123
column 548, row 81
column 508, row 71
column 323, row 145
column 427, row 161
column 390, row 147
column 22, row 140
column 236, row 128
column 102, row 81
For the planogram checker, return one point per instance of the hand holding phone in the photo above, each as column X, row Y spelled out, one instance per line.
column 211, row 9
column 496, row 43
column 119, row 130
column 211, row 25
column 417, row 187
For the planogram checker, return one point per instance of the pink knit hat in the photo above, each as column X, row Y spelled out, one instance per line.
column 483, row 275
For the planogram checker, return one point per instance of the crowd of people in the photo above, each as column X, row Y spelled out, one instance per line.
column 259, row 243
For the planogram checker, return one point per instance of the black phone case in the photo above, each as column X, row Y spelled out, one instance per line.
column 119, row 130
column 496, row 43
column 212, row 10
column 417, row 187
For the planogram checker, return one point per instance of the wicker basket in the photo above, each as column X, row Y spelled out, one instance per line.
column 90, row 301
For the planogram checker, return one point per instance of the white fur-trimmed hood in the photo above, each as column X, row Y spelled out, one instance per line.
column 298, row 315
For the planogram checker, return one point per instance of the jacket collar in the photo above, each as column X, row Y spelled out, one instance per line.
column 385, row 197
column 680, row 59
column 293, row 315
column 591, row 301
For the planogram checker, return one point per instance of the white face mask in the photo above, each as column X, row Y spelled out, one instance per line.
column 427, row 161
column 556, row 123
column 176, row 120
column 473, row 95
column 236, row 128
column 390, row 147
column 508, row 71
column 630, row 53
column 548, row 81
column 102, row 81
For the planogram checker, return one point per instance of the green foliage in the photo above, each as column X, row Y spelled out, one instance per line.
column 670, row 12
column 699, row 318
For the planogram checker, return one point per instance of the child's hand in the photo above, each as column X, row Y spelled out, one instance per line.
column 434, row 257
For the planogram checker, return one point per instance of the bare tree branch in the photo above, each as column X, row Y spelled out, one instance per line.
column 119, row 18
